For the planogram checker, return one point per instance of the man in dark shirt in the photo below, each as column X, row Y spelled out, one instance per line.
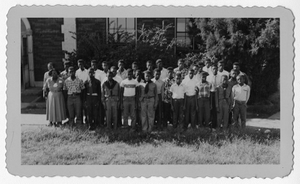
column 92, row 100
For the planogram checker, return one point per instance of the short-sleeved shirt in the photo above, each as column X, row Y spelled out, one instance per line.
column 122, row 74
column 208, row 70
column 64, row 75
column 163, row 74
column 214, row 80
column 129, row 87
column 102, row 76
column 189, row 86
column 241, row 93
column 177, row 91
column 159, row 84
column 167, row 93
column 82, row 74
column 73, row 86
column 224, row 72
column 204, row 89
column 46, row 76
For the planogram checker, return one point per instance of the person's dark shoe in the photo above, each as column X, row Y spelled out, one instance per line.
column 50, row 124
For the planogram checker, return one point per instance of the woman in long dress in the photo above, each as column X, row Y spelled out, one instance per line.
column 55, row 104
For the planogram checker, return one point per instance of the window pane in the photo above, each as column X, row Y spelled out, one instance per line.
column 181, row 25
column 121, row 22
column 130, row 23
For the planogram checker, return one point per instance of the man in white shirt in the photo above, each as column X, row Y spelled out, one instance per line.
column 94, row 65
column 221, row 70
column 190, row 86
column 103, row 73
column 82, row 73
column 122, row 72
column 129, row 98
column 215, row 80
column 240, row 96
column 160, row 92
column 117, row 78
column 207, row 68
column 163, row 71
column 177, row 102
column 236, row 67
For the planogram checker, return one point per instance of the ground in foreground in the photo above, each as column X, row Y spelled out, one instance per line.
column 60, row 146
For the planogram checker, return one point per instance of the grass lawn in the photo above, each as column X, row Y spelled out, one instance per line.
column 60, row 146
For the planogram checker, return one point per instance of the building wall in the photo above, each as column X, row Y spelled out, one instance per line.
column 47, row 44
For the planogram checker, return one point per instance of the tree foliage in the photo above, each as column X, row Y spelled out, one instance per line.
column 252, row 42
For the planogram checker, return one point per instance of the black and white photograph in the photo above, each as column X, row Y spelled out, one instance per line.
column 160, row 90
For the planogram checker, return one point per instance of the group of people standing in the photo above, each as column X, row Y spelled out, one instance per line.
column 200, row 95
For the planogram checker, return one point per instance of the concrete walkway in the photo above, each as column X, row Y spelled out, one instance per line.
column 40, row 119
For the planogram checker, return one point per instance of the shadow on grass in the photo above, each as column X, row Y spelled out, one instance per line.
column 189, row 137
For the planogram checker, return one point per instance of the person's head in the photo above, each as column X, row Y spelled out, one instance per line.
column 147, row 75
column 204, row 76
column 110, row 75
column 221, row 66
column 195, row 68
column 130, row 74
column 138, row 74
column 233, row 74
column 94, row 65
column 67, row 64
column 80, row 64
column 121, row 64
column 170, row 72
column 180, row 63
column 113, row 69
column 201, row 65
column 92, row 73
column 105, row 66
column 157, row 73
column 50, row 66
column 159, row 64
column 191, row 73
column 54, row 73
column 208, row 62
column 149, row 65
column 240, row 79
column 178, row 78
column 224, row 79
column 71, row 71
column 236, row 66
column 134, row 66
column 214, row 69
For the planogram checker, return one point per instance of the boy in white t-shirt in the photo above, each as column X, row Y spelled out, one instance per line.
column 128, row 98
column 240, row 96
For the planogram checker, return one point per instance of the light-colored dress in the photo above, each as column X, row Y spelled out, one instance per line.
column 55, row 104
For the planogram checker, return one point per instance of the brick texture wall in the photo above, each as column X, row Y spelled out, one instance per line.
column 88, row 27
column 47, row 38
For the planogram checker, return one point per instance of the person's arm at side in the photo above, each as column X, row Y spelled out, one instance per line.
column 232, row 97
column 103, row 96
column 155, row 97
column 99, row 91
column 217, row 99
column 121, row 96
column 162, row 90
column 248, row 94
